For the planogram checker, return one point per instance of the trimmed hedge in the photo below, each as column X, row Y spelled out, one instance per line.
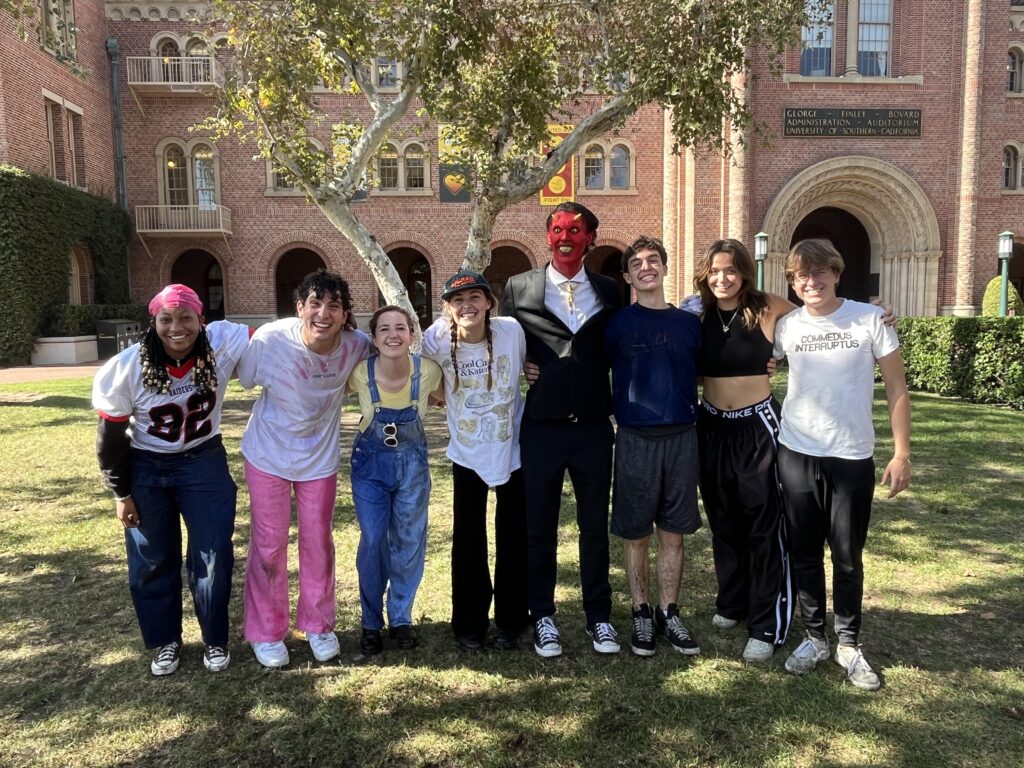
column 990, row 301
column 41, row 221
column 980, row 359
column 80, row 319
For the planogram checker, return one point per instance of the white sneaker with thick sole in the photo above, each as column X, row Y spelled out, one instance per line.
column 324, row 645
column 807, row 655
column 718, row 621
column 758, row 651
column 271, row 655
column 858, row 671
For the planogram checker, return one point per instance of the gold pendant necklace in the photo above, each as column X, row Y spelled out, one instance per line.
column 725, row 325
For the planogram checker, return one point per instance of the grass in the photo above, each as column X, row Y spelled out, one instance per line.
column 944, row 608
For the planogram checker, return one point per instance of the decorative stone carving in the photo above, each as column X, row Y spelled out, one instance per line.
column 901, row 225
column 168, row 11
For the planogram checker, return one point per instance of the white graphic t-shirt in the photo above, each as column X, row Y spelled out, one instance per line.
column 295, row 427
column 827, row 410
column 181, row 419
column 484, row 423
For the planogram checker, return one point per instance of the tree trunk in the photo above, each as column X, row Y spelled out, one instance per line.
column 339, row 213
column 481, row 228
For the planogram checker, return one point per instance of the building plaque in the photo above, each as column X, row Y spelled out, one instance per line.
column 852, row 123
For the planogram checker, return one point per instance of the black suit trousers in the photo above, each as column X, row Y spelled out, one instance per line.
column 549, row 449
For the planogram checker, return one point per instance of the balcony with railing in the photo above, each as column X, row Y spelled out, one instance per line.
column 171, row 74
column 182, row 220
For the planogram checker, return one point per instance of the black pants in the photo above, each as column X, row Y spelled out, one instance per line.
column 828, row 499
column 471, row 578
column 584, row 448
column 740, row 489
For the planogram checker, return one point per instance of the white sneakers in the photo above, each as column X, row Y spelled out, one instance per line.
column 807, row 655
column 858, row 671
column 324, row 645
column 758, row 651
column 718, row 621
column 272, row 655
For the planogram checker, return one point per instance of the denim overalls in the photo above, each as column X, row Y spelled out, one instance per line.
column 391, row 490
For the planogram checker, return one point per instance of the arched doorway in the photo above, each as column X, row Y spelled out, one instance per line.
column 417, row 277
column 607, row 260
column 506, row 260
column 292, row 268
column 1017, row 268
column 902, row 229
column 848, row 235
column 201, row 272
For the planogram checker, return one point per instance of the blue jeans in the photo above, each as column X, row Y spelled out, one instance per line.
column 391, row 491
column 196, row 486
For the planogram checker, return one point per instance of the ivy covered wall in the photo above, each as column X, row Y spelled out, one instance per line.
column 41, row 221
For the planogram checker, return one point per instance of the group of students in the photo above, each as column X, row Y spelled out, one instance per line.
column 161, row 453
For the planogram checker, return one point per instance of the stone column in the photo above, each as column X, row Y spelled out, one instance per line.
column 739, row 177
column 852, row 30
column 671, row 165
column 970, row 161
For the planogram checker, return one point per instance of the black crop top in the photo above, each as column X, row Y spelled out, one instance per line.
column 741, row 351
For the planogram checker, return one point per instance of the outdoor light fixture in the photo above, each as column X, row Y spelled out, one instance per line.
column 1005, row 254
column 760, row 254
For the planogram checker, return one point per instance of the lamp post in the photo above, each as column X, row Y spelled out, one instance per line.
column 1005, row 254
column 760, row 254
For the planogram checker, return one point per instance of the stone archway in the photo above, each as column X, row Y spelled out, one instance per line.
column 201, row 271
column 291, row 270
column 902, row 228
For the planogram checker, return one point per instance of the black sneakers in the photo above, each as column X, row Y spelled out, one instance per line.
column 546, row 640
column 672, row 628
column 641, row 641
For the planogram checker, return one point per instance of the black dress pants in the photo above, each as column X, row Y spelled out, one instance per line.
column 584, row 449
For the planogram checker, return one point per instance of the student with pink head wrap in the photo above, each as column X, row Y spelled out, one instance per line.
column 161, row 454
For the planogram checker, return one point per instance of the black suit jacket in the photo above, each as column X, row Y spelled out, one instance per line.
column 574, row 375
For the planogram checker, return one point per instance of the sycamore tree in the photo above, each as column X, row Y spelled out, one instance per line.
column 497, row 71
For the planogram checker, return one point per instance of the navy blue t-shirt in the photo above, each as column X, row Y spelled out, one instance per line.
column 653, row 353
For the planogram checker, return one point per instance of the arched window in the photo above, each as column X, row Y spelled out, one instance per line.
column 175, row 176
column 188, row 173
column 593, row 167
column 403, row 168
column 1011, row 168
column 620, row 167
column 414, row 177
column 1014, row 71
column 170, row 62
column 199, row 63
column 608, row 168
column 204, row 174
column 387, row 167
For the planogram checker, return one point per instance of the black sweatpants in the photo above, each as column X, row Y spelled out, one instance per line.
column 472, row 588
column 740, row 489
column 828, row 499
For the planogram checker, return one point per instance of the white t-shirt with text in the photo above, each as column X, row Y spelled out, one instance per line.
column 827, row 410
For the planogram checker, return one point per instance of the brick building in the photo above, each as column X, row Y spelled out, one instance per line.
column 898, row 132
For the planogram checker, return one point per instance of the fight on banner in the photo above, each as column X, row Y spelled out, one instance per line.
column 560, row 189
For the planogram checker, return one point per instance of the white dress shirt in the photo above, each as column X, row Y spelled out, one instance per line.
column 585, row 300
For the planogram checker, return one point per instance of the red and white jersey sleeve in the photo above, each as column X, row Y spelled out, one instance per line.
column 180, row 419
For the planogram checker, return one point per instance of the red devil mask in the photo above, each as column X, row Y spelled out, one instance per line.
column 569, row 237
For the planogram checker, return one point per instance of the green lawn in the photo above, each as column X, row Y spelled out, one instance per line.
column 944, row 614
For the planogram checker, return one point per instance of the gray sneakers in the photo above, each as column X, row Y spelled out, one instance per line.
column 758, row 651
column 807, row 655
column 718, row 621
column 858, row 671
